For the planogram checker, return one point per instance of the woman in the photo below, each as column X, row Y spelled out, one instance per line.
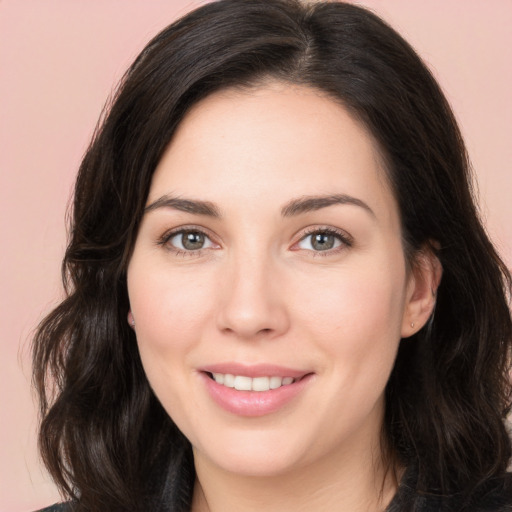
column 279, row 293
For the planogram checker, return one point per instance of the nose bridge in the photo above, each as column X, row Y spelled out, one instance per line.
column 251, row 302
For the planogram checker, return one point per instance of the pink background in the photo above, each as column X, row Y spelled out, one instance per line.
column 59, row 60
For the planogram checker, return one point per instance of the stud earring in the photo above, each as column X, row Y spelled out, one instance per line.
column 412, row 325
column 131, row 320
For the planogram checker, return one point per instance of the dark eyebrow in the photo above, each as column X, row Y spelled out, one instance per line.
column 294, row 207
column 185, row 205
column 311, row 203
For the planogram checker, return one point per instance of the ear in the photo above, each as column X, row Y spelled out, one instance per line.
column 131, row 320
column 423, row 280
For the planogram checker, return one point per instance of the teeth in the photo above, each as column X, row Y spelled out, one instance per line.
column 275, row 382
column 243, row 383
column 229, row 380
column 219, row 377
column 260, row 384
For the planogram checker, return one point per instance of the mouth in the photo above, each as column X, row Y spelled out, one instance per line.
column 246, row 383
column 255, row 390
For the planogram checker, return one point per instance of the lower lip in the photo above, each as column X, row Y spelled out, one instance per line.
column 253, row 403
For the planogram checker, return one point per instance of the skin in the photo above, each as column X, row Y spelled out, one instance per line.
column 260, row 292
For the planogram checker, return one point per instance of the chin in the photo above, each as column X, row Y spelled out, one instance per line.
column 255, row 455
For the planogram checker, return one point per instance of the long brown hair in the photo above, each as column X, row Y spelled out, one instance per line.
column 104, row 436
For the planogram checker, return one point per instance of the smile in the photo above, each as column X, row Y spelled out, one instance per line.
column 254, row 390
column 244, row 383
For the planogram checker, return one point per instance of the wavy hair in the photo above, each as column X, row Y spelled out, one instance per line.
column 104, row 437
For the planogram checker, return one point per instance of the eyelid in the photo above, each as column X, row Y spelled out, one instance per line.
column 346, row 239
column 164, row 239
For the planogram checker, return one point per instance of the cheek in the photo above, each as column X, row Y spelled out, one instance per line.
column 170, row 308
column 171, row 315
column 170, row 311
column 356, row 300
column 356, row 318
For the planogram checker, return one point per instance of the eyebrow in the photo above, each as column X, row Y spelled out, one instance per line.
column 292, row 208
column 194, row 206
column 312, row 203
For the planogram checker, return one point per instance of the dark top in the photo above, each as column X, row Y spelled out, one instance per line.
column 493, row 498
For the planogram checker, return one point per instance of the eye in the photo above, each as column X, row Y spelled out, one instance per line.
column 324, row 240
column 189, row 240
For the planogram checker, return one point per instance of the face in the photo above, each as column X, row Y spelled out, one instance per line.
column 269, row 258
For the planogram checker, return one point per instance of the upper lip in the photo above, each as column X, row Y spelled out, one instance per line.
column 254, row 370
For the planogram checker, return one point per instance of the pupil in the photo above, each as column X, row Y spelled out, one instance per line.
column 192, row 240
column 323, row 242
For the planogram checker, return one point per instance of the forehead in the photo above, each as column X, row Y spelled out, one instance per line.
column 277, row 140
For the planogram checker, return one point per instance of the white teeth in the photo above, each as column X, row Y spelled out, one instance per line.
column 243, row 383
column 275, row 382
column 260, row 384
column 219, row 377
column 229, row 380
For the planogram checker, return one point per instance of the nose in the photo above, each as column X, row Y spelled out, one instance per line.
column 253, row 300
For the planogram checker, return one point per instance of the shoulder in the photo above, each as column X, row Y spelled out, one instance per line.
column 58, row 507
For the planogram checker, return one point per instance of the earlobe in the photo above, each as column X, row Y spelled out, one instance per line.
column 131, row 320
column 425, row 277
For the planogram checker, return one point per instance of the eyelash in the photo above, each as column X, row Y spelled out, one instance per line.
column 168, row 235
column 345, row 239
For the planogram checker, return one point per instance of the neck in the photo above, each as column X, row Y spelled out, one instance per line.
column 341, row 481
